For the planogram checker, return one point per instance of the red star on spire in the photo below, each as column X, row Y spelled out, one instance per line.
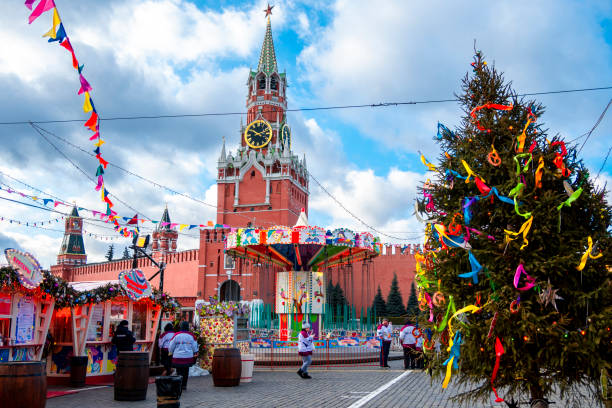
column 268, row 11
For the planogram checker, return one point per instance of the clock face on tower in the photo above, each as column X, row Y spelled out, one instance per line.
column 285, row 135
column 258, row 134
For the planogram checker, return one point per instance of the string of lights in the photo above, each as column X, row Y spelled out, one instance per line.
column 320, row 108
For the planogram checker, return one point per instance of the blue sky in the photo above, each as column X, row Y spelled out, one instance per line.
column 176, row 56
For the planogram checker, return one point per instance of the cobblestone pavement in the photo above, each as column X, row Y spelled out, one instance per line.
column 344, row 388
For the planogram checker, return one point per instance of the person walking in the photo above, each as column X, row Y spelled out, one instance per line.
column 384, row 334
column 420, row 355
column 164, row 343
column 123, row 337
column 305, row 348
column 408, row 344
column 184, row 349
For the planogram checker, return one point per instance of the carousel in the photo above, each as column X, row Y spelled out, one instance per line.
column 305, row 254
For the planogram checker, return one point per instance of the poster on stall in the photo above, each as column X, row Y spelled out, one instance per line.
column 96, row 324
column 5, row 304
column 24, row 332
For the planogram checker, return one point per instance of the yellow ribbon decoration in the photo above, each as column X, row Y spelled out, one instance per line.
column 449, row 367
column 430, row 166
column 588, row 255
column 522, row 137
column 56, row 21
column 470, row 173
column 511, row 235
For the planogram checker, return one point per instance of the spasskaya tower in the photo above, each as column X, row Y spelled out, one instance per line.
column 263, row 183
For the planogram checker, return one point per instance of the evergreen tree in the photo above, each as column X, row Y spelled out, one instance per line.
column 332, row 298
column 378, row 304
column 395, row 304
column 126, row 254
column 508, row 201
column 110, row 252
column 412, row 309
column 340, row 299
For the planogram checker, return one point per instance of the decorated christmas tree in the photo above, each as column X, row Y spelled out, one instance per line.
column 515, row 269
column 395, row 304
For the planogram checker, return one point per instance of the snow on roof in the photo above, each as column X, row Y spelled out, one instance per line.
column 91, row 285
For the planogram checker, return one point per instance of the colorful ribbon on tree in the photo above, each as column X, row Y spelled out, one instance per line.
column 529, row 281
column 476, row 267
column 451, row 361
column 496, row 106
column 499, row 350
column 570, row 200
column 470, row 172
column 511, row 235
column 588, row 254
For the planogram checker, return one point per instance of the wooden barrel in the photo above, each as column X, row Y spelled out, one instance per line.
column 23, row 384
column 132, row 376
column 226, row 367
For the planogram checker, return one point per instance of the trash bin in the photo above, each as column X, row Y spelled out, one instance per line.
column 78, row 371
column 168, row 391
column 248, row 360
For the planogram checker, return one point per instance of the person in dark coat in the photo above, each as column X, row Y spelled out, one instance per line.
column 123, row 338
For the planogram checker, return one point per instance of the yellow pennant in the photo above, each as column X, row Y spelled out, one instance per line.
column 511, row 235
column 588, row 255
column 56, row 21
column 182, row 226
column 99, row 143
column 87, row 104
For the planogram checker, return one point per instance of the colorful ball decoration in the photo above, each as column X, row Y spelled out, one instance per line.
column 27, row 267
column 135, row 284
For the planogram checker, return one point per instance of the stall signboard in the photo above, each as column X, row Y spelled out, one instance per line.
column 135, row 284
column 24, row 332
column 28, row 268
column 5, row 304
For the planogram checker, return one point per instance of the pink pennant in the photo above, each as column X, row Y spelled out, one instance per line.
column 173, row 225
column 85, row 87
column 44, row 5
column 28, row 3
column 163, row 224
column 95, row 136
column 100, row 182
column 56, row 203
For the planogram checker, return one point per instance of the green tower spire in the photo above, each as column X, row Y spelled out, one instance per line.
column 267, row 59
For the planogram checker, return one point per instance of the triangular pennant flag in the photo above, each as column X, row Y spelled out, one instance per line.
column 28, row 3
column 67, row 45
column 134, row 220
column 101, row 160
column 154, row 222
column 87, row 103
column 60, row 34
column 97, row 151
column 95, row 136
column 100, row 182
column 99, row 143
column 56, row 22
column 210, row 224
column 99, row 171
column 182, row 226
column 92, row 121
column 47, row 200
column 44, row 5
column 85, row 87
column 192, row 226
column 81, row 68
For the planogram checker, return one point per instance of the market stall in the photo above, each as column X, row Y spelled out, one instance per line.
column 25, row 309
column 87, row 330
column 44, row 317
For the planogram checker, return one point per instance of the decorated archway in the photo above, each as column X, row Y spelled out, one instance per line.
column 229, row 291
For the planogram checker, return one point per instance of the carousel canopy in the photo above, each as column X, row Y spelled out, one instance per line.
column 302, row 247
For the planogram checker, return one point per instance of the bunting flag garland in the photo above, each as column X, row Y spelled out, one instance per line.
column 58, row 33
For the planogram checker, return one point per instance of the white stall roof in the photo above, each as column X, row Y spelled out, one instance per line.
column 85, row 286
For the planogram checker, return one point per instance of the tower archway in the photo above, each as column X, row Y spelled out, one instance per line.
column 229, row 291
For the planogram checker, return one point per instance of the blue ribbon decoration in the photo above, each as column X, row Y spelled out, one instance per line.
column 476, row 267
column 455, row 351
column 443, row 130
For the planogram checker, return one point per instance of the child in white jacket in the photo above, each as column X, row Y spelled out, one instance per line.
column 305, row 348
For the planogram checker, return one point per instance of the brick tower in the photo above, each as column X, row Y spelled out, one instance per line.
column 263, row 183
column 164, row 238
column 72, row 252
